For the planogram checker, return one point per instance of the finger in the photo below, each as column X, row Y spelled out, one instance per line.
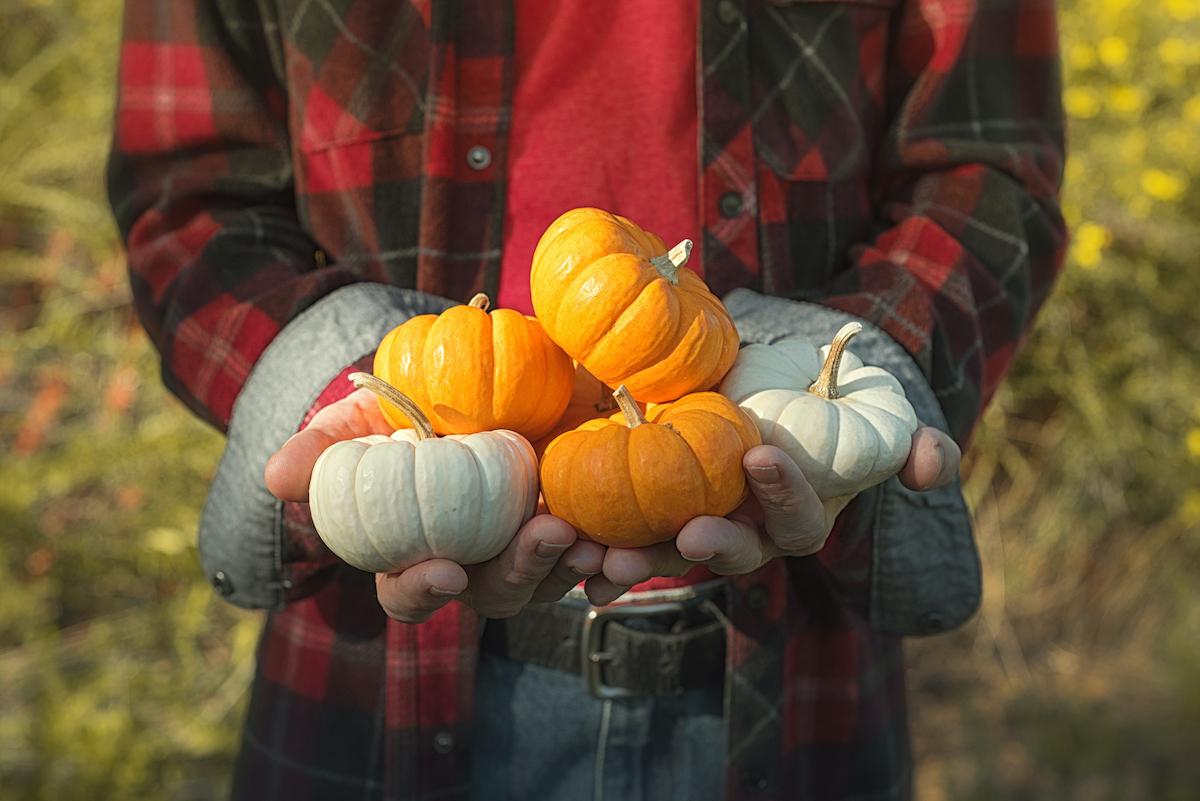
column 792, row 513
column 503, row 586
column 602, row 592
column 581, row 561
column 412, row 595
column 933, row 460
column 629, row 566
column 728, row 546
column 289, row 469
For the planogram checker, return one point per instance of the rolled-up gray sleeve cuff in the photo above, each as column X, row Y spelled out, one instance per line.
column 925, row 575
column 242, row 523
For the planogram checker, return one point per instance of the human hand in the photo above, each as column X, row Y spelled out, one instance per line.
column 543, row 560
column 782, row 517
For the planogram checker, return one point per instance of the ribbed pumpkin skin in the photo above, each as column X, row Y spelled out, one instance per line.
column 473, row 371
column 630, row 487
column 599, row 297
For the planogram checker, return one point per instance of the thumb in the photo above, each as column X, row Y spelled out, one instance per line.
column 793, row 515
column 289, row 469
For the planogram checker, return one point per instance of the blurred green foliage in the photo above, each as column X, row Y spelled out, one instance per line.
column 122, row 676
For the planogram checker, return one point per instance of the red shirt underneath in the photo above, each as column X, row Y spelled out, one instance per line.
column 604, row 114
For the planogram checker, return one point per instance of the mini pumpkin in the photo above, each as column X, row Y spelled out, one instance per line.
column 385, row 503
column 614, row 298
column 472, row 371
column 633, row 480
column 848, row 426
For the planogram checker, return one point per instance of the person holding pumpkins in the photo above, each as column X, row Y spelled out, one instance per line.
column 482, row 582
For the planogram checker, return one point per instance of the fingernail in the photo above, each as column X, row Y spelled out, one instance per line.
column 443, row 593
column 941, row 462
column 765, row 474
column 584, row 573
column 697, row 558
column 548, row 549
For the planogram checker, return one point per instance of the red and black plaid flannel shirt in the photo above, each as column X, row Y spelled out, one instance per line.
column 895, row 159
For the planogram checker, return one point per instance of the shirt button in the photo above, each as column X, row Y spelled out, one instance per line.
column 443, row 742
column 479, row 157
column 222, row 583
column 727, row 12
column 757, row 598
column 731, row 204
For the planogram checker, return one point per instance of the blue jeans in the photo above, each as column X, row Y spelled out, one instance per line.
column 540, row 735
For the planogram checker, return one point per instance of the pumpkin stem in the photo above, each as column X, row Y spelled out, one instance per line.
column 480, row 301
column 826, row 384
column 670, row 263
column 633, row 415
column 407, row 405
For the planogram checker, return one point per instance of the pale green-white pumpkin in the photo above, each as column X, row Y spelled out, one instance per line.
column 848, row 426
column 385, row 503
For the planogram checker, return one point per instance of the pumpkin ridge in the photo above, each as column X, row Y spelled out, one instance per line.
column 544, row 418
column 562, row 506
column 805, row 380
column 358, row 514
column 618, row 292
column 508, row 337
column 686, row 346
column 481, row 474
column 630, row 316
column 633, row 487
column 873, row 438
column 641, row 507
column 417, row 503
column 709, row 491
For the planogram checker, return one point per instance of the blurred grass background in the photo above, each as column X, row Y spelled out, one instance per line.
column 122, row 676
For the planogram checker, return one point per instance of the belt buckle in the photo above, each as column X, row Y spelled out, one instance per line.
column 593, row 633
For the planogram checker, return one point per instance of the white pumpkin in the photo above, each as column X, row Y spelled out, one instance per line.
column 848, row 426
column 385, row 503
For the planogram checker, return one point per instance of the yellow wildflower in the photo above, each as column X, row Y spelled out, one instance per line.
column 1162, row 185
column 1189, row 510
column 1081, row 102
column 1174, row 50
column 1191, row 109
column 1081, row 55
column 1193, row 443
column 1114, row 51
column 1090, row 240
column 1182, row 10
column 1126, row 99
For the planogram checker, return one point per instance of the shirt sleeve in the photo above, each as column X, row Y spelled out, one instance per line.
column 251, row 322
column 201, row 183
column 971, row 236
column 970, row 239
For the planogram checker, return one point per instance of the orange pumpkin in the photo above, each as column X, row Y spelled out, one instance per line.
column 612, row 297
column 633, row 480
column 472, row 371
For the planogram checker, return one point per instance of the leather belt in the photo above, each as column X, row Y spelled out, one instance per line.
column 651, row 649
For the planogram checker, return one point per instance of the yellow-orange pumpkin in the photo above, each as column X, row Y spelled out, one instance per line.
column 633, row 480
column 474, row 371
column 612, row 297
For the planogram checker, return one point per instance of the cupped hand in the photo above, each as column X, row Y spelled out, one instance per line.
column 544, row 559
column 782, row 517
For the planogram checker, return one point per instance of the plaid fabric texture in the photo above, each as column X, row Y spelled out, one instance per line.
column 895, row 159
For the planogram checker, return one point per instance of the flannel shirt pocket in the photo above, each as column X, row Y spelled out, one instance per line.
column 819, row 85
